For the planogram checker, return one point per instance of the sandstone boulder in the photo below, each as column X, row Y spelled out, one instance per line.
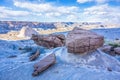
column 111, row 50
column 49, row 41
column 44, row 64
column 80, row 41
column 35, row 56
column 106, row 48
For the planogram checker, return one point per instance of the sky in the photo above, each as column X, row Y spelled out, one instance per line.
column 60, row 10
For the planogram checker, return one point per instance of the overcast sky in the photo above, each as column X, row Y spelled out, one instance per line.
column 60, row 10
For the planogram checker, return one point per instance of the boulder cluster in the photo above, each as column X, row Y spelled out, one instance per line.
column 77, row 41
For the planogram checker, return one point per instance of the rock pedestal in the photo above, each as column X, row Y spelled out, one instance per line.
column 81, row 41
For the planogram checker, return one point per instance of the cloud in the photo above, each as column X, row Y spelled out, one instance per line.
column 72, row 18
column 97, row 1
column 46, row 8
column 104, row 13
column 9, row 12
column 83, row 1
column 29, row 11
column 51, row 14
column 34, row 7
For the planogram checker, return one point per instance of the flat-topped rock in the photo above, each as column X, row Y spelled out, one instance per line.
column 49, row 41
column 81, row 41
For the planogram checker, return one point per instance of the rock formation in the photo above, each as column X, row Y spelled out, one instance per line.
column 112, row 50
column 26, row 32
column 81, row 41
column 44, row 64
column 117, row 50
column 106, row 48
column 49, row 41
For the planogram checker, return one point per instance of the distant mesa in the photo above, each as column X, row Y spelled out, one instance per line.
column 27, row 31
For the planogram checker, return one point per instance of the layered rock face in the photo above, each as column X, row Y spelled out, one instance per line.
column 27, row 32
column 81, row 41
column 49, row 41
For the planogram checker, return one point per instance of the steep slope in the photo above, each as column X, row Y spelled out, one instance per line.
column 6, row 26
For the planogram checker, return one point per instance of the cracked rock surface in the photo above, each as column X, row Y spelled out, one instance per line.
column 81, row 41
column 49, row 41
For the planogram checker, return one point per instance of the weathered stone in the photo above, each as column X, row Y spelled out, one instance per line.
column 49, row 41
column 60, row 36
column 35, row 56
column 106, row 48
column 44, row 64
column 117, row 50
column 111, row 50
column 80, row 41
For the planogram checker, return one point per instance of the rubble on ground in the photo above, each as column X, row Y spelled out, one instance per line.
column 34, row 56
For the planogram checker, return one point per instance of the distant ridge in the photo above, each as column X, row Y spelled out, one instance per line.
column 6, row 26
column 26, row 32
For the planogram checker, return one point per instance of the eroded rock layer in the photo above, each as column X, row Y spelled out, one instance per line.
column 81, row 41
column 49, row 41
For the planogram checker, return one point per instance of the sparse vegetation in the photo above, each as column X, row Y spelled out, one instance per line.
column 114, row 44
